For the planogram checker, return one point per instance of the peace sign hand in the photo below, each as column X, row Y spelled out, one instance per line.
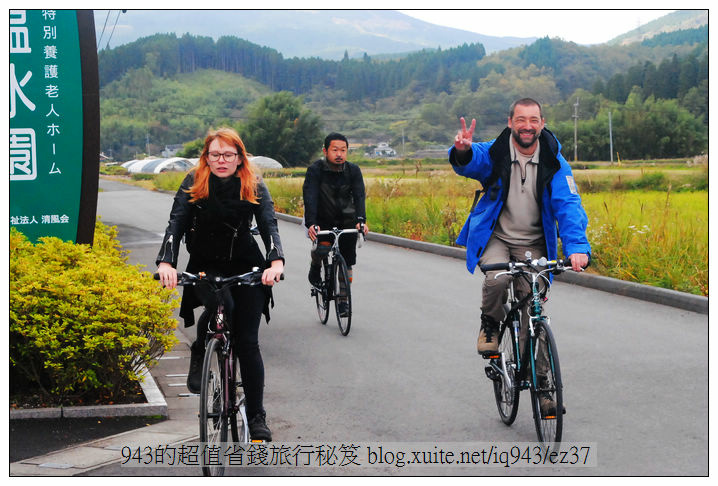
column 462, row 142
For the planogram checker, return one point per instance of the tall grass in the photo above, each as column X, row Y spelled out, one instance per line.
column 655, row 238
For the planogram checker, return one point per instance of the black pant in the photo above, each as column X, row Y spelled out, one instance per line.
column 245, row 309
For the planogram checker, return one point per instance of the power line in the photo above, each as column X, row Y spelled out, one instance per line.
column 103, row 28
column 113, row 28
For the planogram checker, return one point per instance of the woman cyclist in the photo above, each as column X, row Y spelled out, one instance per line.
column 213, row 210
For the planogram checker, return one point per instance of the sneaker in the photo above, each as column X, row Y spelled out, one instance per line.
column 194, row 376
column 488, row 341
column 343, row 309
column 258, row 429
column 315, row 277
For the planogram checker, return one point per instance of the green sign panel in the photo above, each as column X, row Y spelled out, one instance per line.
column 48, row 147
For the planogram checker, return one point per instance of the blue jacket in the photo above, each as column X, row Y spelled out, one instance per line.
column 559, row 201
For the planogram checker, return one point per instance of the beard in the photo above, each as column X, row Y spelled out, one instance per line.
column 517, row 137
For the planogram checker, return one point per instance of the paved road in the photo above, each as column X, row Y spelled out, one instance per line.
column 635, row 373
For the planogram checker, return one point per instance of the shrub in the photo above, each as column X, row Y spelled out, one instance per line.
column 169, row 181
column 82, row 321
column 113, row 170
column 138, row 176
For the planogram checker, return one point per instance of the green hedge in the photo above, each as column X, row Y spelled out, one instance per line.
column 82, row 321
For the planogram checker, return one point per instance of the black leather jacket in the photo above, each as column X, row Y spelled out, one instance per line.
column 184, row 213
column 219, row 248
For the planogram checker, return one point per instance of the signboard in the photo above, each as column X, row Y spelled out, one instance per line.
column 54, row 124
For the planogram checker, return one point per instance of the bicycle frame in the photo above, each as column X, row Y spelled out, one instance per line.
column 525, row 359
column 333, row 251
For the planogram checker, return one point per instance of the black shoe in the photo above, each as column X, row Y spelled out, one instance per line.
column 194, row 376
column 315, row 277
column 343, row 309
column 258, row 429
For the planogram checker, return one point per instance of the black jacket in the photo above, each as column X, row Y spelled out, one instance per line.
column 216, row 246
column 334, row 198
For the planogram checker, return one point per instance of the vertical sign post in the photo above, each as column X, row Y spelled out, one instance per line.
column 54, row 124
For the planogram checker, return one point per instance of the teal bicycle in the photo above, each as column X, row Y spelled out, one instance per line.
column 535, row 366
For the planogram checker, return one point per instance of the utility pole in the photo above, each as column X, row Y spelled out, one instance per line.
column 610, row 135
column 403, row 152
column 147, row 141
column 575, row 131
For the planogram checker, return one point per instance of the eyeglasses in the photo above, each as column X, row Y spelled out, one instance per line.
column 215, row 156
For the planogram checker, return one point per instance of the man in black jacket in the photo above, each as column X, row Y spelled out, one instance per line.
column 334, row 196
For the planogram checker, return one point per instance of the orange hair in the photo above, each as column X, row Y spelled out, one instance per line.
column 245, row 171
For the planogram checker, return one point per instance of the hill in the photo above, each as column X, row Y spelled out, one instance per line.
column 679, row 20
column 326, row 34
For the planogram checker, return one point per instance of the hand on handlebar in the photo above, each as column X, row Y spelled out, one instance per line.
column 273, row 273
column 313, row 230
column 579, row 261
column 363, row 228
column 167, row 275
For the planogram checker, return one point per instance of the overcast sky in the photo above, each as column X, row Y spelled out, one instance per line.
column 579, row 26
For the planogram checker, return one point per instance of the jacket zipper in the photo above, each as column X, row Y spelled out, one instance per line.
column 169, row 243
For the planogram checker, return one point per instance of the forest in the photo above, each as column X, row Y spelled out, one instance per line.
column 165, row 89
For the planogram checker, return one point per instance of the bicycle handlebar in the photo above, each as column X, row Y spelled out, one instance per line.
column 556, row 266
column 252, row 278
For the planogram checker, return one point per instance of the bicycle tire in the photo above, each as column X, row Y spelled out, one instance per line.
column 321, row 294
column 507, row 397
column 212, row 413
column 238, row 418
column 549, row 429
column 341, row 274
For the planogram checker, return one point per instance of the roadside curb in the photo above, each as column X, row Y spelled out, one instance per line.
column 672, row 298
column 155, row 405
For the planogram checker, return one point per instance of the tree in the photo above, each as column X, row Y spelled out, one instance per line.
column 280, row 128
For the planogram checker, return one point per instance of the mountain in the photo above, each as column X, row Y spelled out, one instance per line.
column 679, row 20
column 326, row 34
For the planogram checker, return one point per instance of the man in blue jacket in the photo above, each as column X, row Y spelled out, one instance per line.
column 528, row 191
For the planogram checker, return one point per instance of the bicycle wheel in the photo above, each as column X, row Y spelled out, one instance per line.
column 321, row 294
column 238, row 418
column 549, row 423
column 506, row 389
column 212, row 413
column 343, row 295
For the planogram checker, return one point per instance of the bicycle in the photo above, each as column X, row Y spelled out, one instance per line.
column 221, row 400
column 335, row 282
column 513, row 370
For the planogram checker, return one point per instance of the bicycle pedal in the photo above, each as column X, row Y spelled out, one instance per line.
column 490, row 355
column 492, row 374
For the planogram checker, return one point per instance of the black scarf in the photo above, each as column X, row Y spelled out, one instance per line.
column 225, row 199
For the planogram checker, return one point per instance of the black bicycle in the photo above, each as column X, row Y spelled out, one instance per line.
column 335, row 282
column 221, row 400
column 536, row 366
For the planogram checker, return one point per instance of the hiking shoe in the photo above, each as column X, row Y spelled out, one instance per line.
column 194, row 376
column 547, row 404
column 488, row 341
column 315, row 277
column 258, row 429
